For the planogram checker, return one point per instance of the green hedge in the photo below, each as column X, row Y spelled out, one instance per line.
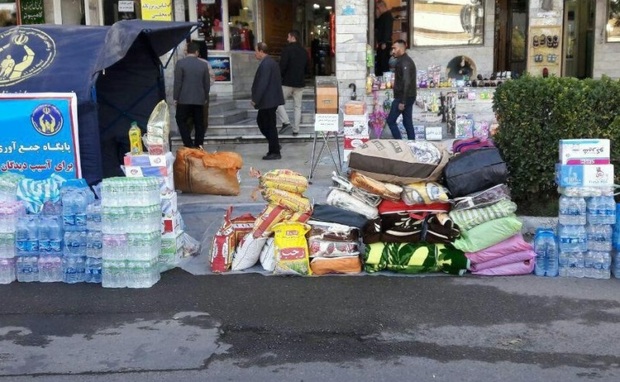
column 534, row 113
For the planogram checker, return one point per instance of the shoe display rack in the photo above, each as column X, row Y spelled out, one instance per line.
column 545, row 51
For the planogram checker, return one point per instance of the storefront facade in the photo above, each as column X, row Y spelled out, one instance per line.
column 490, row 36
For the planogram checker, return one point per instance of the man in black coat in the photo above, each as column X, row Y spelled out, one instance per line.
column 383, row 37
column 192, row 82
column 266, row 97
column 293, row 64
column 405, row 91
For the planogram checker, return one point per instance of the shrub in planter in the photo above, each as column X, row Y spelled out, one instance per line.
column 534, row 113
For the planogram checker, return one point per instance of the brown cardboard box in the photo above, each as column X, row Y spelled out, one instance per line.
column 355, row 108
column 327, row 100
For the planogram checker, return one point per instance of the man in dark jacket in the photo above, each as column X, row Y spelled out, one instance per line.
column 266, row 97
column 405, row 83
column 293, row 64
column 192, row 83
column 383, row 36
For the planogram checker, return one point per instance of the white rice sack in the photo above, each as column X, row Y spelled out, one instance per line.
column 268, row 256
column 248, row 252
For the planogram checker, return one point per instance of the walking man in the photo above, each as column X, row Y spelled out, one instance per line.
column 383, row 36
column 192, row 83
column 293, row 64
column 405, row 83
column 266, row 97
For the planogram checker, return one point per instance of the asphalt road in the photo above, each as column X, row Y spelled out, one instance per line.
column 254, row 327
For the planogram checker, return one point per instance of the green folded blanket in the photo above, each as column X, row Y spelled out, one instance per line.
column 414, row 258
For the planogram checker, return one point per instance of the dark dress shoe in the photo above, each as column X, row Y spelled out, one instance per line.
column 272, row 156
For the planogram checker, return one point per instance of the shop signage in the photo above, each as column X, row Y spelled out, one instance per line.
column 326, row 122
column 221, row 67
column 125, row 6
column 157, row 10
column 39, row 135
column 31, row 12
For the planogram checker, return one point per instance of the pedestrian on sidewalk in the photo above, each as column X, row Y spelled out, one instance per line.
column 204, row 55
column 383, row 37
column 192, row 83
column 293, row 65
column 405, row 92
column 266, row 97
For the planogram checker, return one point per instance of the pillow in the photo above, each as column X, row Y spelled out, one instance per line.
column 468, row 219
column 487, row 234
column 424, row 193
column 268, row 256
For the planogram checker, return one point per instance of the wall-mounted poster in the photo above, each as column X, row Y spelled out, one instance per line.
column 221, row 67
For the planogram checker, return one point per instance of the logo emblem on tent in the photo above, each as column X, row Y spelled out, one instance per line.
column 24, row 52
column 47, row 119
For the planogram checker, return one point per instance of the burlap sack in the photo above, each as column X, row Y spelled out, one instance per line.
column 200, row 172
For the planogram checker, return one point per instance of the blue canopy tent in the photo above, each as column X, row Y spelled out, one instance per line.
column 115, row 72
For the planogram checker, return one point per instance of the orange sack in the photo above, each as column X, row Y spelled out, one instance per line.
column 200, row 172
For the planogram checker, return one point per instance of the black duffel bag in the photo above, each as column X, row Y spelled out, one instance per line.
column 474, row 171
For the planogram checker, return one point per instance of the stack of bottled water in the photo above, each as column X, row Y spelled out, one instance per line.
column 545, row 246
column 10, row 212
column 75, row 201
column 572, row 236
column 615, row 270
column 51, row 237
column 94, row 243
column 601, row 216
column 131, row 232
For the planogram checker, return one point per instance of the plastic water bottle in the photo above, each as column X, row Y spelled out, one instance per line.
column 608, row 210
column 93, row 270
column 93, row 216
column 33, row 234
column 572, row 210
column 7, row 245
column 27, row 268
column 21, row 235
column 74, row 268
column 546, row 253
column 563, row 264
column 94, row 244
column 7, row 270
column 599, row 237
column 44, row 234
column 50, row 268
column 68, row 206
column 80, row 207
column 56, row 234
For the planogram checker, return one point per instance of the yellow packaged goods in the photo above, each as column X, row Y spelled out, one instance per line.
column 285, row 180
column 291, row 249
column 289, row 200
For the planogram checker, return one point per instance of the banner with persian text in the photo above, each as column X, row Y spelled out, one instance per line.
column 39, row 135
column 157, row 10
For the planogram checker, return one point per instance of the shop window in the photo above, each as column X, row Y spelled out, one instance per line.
column 241, row 16
column 116, row 10
column 209, row 13
column 613, row 22
column 457, row 22
column 8, row 13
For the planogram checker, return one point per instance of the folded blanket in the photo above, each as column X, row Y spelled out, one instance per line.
column 414, row 258
column 521, row 268
column 511, row 245
column 409, row 227
column 515, row 257
column 468, row 219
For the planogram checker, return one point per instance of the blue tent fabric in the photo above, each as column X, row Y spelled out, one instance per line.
column 115, row 72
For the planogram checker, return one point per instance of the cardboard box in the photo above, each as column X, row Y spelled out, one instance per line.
column 149, row 160
column 327, row 100
column 355, row 124
column 171, row 224
column 584, row 175
column 584, row 151
column 355, row 108
column 169, row 204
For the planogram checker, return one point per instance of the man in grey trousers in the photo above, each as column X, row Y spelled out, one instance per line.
column 192, row 83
